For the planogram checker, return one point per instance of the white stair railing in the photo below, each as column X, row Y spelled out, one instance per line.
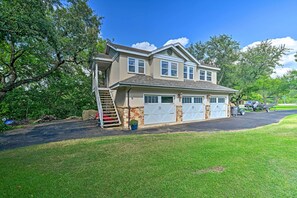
column 98, row 100
column 115, row 108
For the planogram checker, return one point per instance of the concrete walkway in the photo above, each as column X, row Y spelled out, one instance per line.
column 75, row 129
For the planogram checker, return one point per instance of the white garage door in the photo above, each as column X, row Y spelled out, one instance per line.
column 193, row 108
column 159, row 109
column 218, row 107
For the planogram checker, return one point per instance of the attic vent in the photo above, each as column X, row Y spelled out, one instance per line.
column 169, row 51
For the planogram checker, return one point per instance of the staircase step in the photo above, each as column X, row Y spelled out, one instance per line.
column 111, row 125
column 109, row 109
column 110, row 118
column 111, row 121
column 110, row 114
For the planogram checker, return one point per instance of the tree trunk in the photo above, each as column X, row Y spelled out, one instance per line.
column 265, row 100
column 2, row 95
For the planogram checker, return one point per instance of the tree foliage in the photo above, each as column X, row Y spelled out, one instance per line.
column 255, row 63
column 37, row 38
column 269, row 87
column 247, row 70
column 220, row 50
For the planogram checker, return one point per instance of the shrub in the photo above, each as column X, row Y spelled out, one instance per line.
column 4, row 127
column 133, row 122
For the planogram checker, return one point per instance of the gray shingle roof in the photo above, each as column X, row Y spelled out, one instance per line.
column 208, row 65
column 101, row 55
column 148, row 81
column 122, row 47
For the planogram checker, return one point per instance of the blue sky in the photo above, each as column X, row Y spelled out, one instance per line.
column 156, row 22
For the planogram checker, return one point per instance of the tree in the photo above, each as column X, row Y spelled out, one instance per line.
column 291, row 79
column 269, row 87
column 220, row 50
column 254, row 63
column 37, row 38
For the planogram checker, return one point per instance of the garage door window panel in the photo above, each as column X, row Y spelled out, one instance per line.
column 187, row 99
column 213, row 100
column 198, row 100
column 167, row 99
column 221, row 100
column 150, row 99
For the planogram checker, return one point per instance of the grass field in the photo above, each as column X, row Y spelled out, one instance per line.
column 286, row 107
column 253, row 163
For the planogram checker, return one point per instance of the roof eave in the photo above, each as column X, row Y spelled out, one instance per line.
column 122, row 84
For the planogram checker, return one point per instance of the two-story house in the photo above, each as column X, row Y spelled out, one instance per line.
column 167, row 85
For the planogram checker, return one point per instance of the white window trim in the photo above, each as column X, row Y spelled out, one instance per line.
column 159, row 97
column 205, row 76
column 210, row 76
column 199, row 75
column 136, row 66
column 188, row 72
column 169, row 69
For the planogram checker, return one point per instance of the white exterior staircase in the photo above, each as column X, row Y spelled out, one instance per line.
column 108, row 114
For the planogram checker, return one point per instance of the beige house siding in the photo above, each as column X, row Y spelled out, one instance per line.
column 113, row 72
column 165, row 52
column 213, row 76
column 123, row 70
column 119, row 68
column 156, row 62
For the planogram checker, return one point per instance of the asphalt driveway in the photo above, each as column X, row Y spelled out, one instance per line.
column 75, row 129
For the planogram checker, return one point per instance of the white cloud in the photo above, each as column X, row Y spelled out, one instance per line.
column 288, row 60
column 183, row 40
column 280, row 71
column 144, row 46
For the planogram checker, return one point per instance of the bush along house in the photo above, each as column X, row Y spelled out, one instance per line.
column 167, row 85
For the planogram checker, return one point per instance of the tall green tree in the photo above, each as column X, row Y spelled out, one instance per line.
column 254, row 63
column 269, row 87
column 220, row 50
column 37, row 38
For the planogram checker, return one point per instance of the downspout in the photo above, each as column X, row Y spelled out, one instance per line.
column 129, row 108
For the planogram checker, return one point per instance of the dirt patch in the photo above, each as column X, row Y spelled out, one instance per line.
column 215, row 169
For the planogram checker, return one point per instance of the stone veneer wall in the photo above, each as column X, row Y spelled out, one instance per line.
column 136, row 113
column 229, row 110
column 179, row 114
column 207, row 112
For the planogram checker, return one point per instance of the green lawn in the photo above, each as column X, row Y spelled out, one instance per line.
column 285, row 107
column 253, row 163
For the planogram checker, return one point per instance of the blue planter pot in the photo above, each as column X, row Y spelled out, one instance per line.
column 134, row 127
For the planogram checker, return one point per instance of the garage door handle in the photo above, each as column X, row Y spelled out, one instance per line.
column 159, row 107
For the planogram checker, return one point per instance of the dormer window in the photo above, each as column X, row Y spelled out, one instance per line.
column 208, row 76
column 188, row 72
column 136, row 65
column 205, row 75
column 202, row 75
column 169, row 68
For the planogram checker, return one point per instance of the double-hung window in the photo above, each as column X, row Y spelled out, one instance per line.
column 208, row 77
column 205, row 75
column 202, row 75
column 188, row 72
column 136, row 65
column 169, row 68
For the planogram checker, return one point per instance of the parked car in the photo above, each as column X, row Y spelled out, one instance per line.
column 250, row 103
